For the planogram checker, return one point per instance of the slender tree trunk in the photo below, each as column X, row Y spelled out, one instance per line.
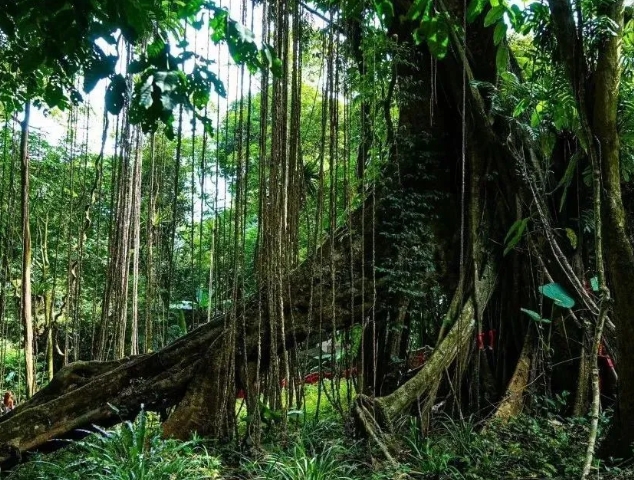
column 149, row 277
column 48, row 312
column 583, row 383
column 48, row 302
column 27, row 321
column 136, row 245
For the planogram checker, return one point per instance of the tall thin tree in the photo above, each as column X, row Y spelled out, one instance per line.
column 27, row 321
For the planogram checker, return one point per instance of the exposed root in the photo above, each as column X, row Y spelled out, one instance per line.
column 513, row 401
column 367, row 413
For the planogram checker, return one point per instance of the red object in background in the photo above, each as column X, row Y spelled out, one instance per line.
column 486, row 340
column 417, row 359
column 492, row 339
column 603, row 354
column 480, row 341
column 311, row 378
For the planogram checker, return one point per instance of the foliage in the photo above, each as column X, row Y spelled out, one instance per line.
column 134, row 450
column 525, row 447
column 12, row 366
column 315, row 452
column 41, row 61
column 301, row 465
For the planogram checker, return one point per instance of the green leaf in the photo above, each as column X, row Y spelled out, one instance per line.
column 244, row 34
column 145, row 92
column 556, row 292
column 475, row 8
column 502, row 57
column 207, row 124
column 510, row 78
column 102, row 66
column 54, row 96
column 572, row 236
column 535, row 316
column 436, row 31
column 137, row 66
column 495, row 14
column 418, row 9
column 521, row 107
column 499, row 33
column 385, row 10
column 116, row 94
column 594, row 283
column 514, row 234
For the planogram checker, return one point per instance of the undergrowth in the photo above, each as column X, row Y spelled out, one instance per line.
column 539, row 446
column 132, row 451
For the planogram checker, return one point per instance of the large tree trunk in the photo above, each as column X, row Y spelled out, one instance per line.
column 597, row 102
column 185, row 372
column 619, row 249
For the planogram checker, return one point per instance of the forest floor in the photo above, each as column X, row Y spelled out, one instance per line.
column 542, row 445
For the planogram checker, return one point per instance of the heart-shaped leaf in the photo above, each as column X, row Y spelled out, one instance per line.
column 556, row 292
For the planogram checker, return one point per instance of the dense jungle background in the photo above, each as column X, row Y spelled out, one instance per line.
column 288, row 239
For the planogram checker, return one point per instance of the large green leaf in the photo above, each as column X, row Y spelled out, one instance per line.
column 502, row 57
column 476, row 7
column 385, row 10
column 98, row 68
column 494, row 15
column 436, row 31
column 535, row 316
column 556, row 292
column 514, row 234
column 499, row 33
column 116, row 94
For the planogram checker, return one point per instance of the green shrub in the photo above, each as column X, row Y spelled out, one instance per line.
column 523, row 447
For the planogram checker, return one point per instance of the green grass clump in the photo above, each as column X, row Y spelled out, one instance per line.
column 299, row 463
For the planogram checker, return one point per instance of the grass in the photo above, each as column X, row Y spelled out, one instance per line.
column 300, row 463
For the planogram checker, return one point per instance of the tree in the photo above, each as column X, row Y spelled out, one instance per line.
column 26, row 312
column 487, row 218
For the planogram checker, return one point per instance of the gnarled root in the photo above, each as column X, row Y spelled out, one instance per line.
column 371, row 419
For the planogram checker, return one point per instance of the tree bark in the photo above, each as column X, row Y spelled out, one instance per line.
column 619, row 250
column 598, row 113
column 513, row 401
